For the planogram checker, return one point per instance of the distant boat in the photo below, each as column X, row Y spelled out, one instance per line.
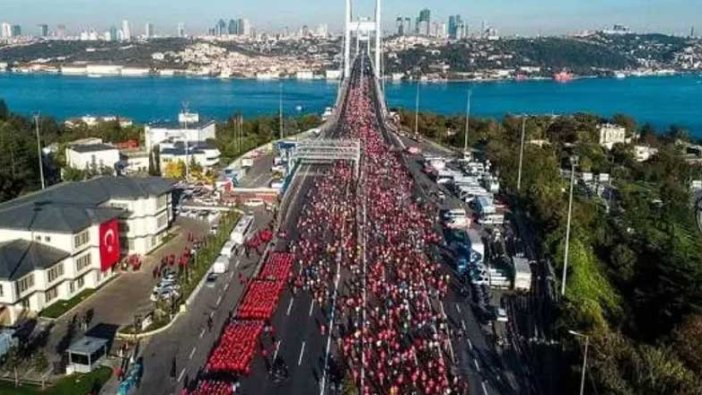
column 520, row 77
column 563, row 76
column 619, row 75
column 298, row 108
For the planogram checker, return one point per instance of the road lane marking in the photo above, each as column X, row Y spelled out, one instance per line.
column 463, row 325
column 477, row 367
column 484, row 388
column 470, row 345
column 277, row 348
column 226, row 287
column 219, row 300
column 302, row 353
column 192, row 352
column 202, row 333
column 290, row 306
column 211, row 313
column 458, row 308
column 182, row 373
column 311, row 308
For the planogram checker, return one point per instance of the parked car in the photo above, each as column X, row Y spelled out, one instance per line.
column 211, row 280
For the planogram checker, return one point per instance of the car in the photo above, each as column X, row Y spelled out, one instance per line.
column 162, row 294
column 502, row 315
column 211, row 280
column 441, row 195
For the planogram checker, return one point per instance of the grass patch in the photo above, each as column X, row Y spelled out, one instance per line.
column 77, row 384
column 61, row 307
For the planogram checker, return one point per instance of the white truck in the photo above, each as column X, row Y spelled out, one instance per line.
column 220, row 265
column 238, row 235
column 476, row 243
column 522, row 274
column 228, row 249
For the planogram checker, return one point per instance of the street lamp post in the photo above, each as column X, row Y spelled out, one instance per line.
column 465, row 140
column 573, row 163
column 521, row 155
column 582, row 374
column 416, row 112
column 41, row 162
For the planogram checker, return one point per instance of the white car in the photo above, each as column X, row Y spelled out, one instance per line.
column 502, row 315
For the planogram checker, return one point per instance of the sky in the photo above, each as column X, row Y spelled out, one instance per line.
column 521, row 17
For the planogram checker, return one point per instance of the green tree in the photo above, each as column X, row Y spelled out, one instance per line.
column 4, row 112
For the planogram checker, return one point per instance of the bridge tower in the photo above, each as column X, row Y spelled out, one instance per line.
column 362, row 30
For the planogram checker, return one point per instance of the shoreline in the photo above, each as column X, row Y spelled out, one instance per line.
column 182, row 75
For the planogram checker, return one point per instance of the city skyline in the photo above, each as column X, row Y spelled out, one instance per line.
column 525, row 18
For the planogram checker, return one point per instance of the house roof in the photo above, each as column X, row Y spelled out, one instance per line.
column 73, row 206
column 20, row 257
column 86, row 148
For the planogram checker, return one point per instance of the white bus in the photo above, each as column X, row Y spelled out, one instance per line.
column 238, row 235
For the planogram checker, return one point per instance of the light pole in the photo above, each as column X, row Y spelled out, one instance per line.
column 521, row 155
column 416, row 112
column 582, row 375
column 465, row 142
column 41, row 162
column 280, row 110
column 573, row 163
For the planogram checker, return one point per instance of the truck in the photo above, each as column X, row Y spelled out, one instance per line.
column 220, row 265
column 238, row 235
column 476, row 244
column 228, row 249
column 522, row 274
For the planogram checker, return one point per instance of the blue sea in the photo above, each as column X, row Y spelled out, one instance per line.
column 661, row 101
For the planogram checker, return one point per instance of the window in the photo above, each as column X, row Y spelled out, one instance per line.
column 25, row 283
column 162, row 221
column 25, row 304
column 81, row 239
column 162, row 202
column 80, row 282
column 83, row 262
column 72, row 287
column 55, row 272
column 47, row 239
column 130, row 244
column 2, row 293
column 37, row 238
column 51, row 294
column 121, row 206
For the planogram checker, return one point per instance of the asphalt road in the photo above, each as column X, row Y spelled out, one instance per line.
column 188, row 342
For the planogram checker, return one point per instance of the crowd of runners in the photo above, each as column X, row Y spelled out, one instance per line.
column 391, row 335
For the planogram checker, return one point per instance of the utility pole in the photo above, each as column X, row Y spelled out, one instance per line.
column 584, row 368
column 465, row 142
column 416, row 112
column 521, row 155
column 187, row 142
column 573, row 163
column 280, row 110
column 41, row 162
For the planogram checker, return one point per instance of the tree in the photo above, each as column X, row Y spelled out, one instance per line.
column 73, row 174
column 4, row 112
column 175, row 170
column 688, row 342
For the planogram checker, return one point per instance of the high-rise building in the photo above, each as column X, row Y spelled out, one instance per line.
column 16, row 30
column 322, row 30
column 181, row 30
column 61, row 31
column 149, row 30
column 454, row 22
column 425, row 21
column 221, row 28
column 126, row 31
column 244, row 27
column 232, row 28
column 43, row 30
column 113, row 34
column 6, row 29
column 400, row 23
column 407, row 28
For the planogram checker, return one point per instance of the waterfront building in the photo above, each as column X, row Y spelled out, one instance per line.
column 134, row 161
column 201, row 153
column 97, row 157
column 16, row 31
column 43, row 30
column 189, row 128
column 60, row 241
column 181, row 30
column 455, row 23
column 113, row 33
column 60, row 31
column 610, row 134
column 126, row 31
column 642, row 153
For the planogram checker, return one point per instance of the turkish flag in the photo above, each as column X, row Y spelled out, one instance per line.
column 109, row 244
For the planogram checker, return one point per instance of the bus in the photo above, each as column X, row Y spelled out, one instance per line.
column 238, row 235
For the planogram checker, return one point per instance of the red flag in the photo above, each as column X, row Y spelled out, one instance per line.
column 109, row 244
